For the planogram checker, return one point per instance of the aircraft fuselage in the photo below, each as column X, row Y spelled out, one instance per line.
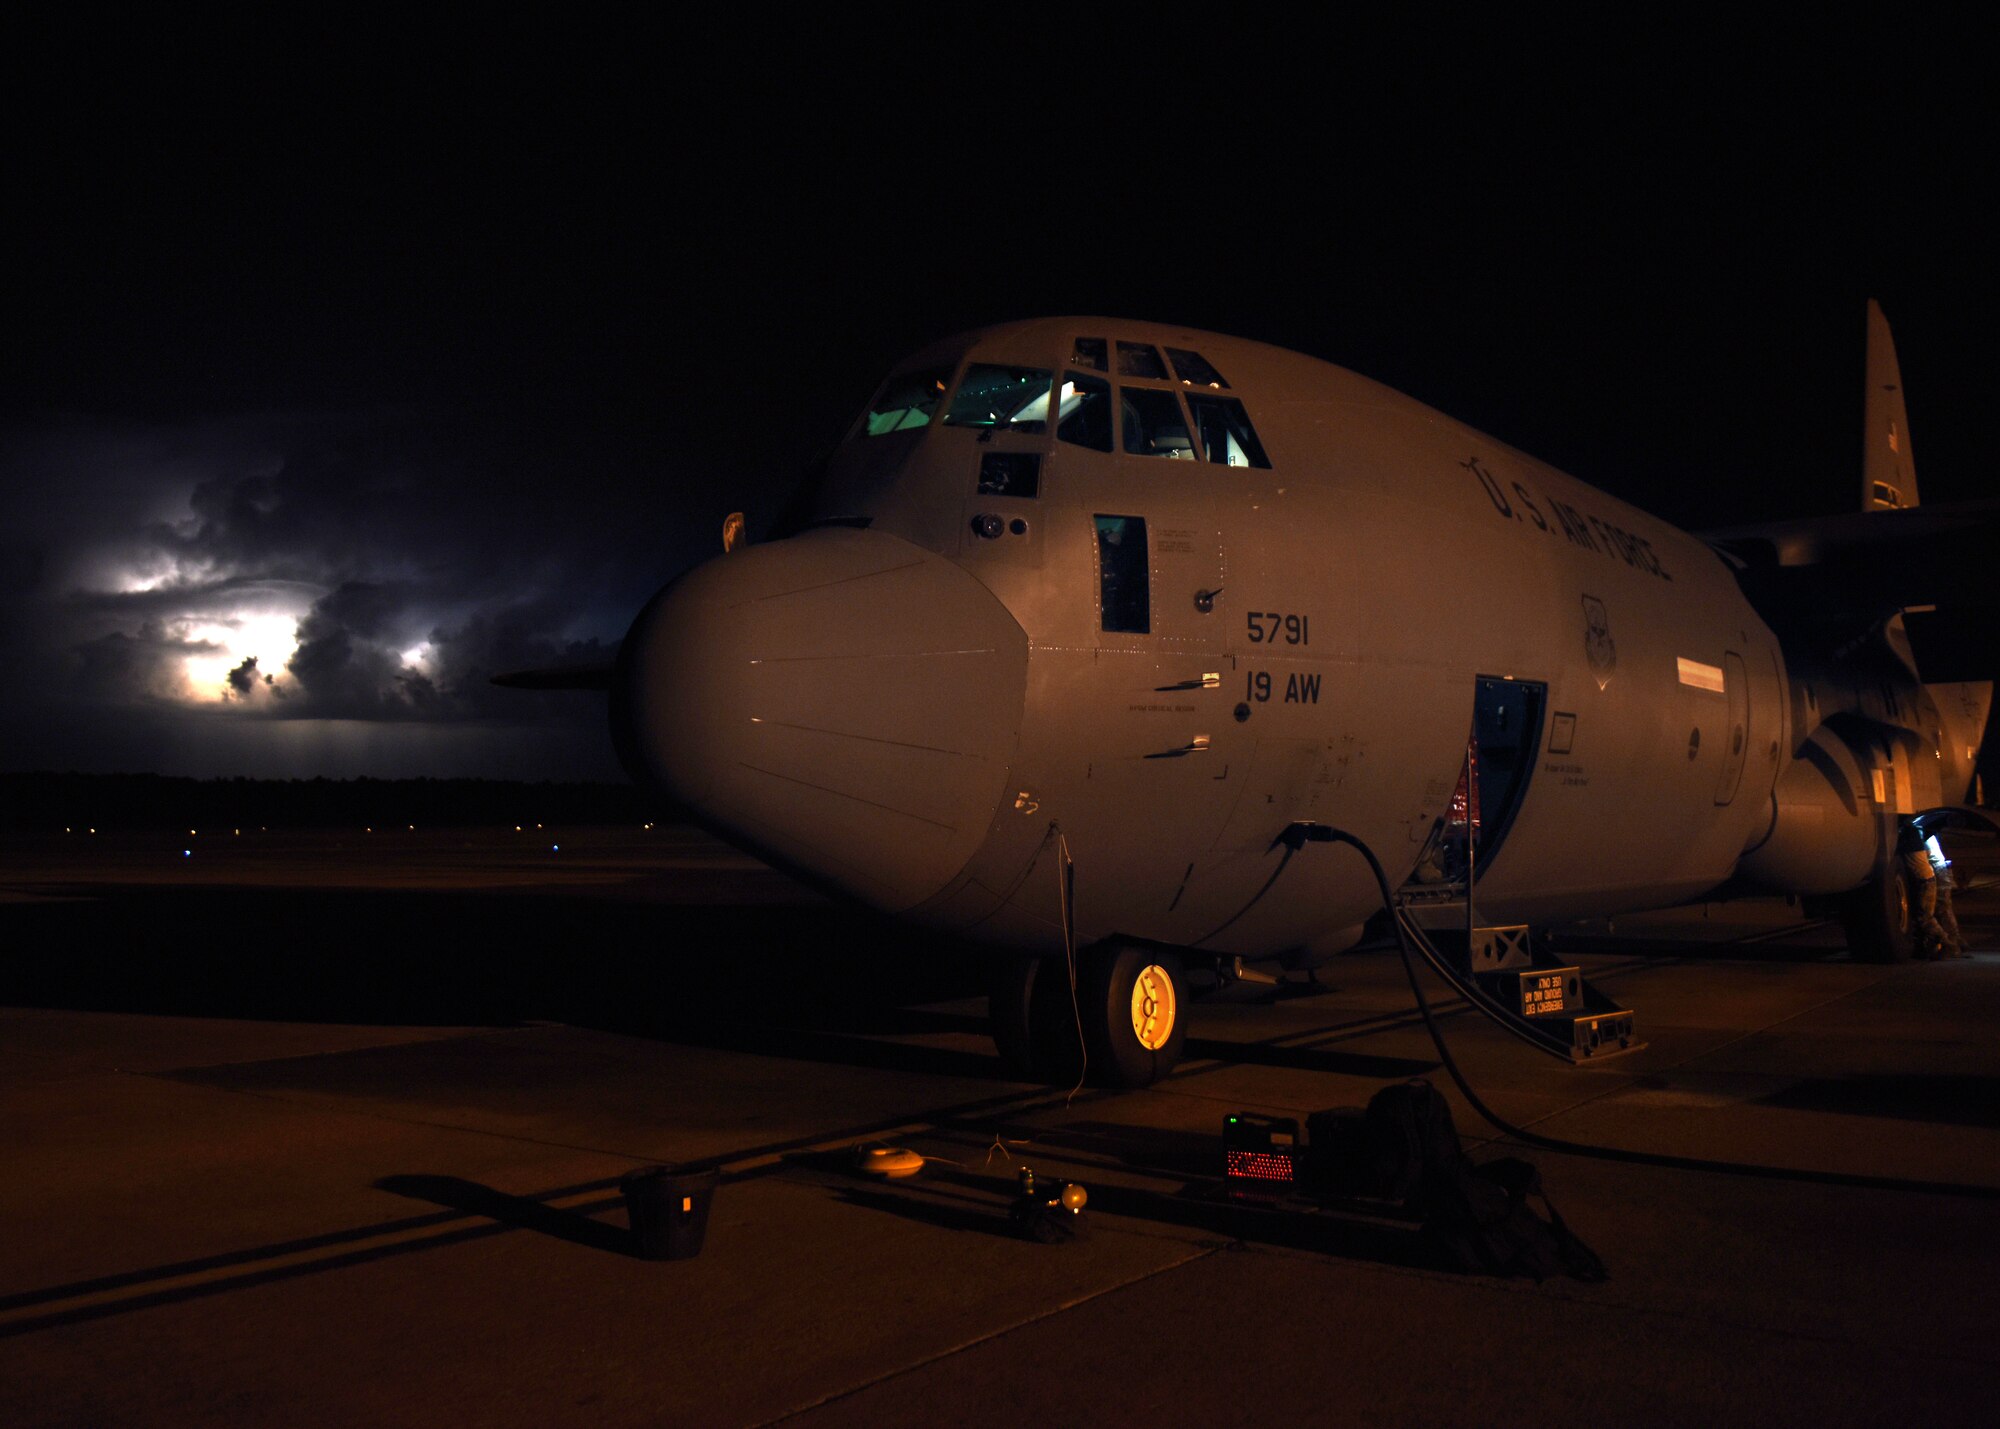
column 1191, row 604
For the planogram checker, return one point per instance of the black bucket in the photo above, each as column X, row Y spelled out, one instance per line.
column 669, row 1210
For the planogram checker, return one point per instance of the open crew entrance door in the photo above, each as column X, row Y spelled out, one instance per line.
column 1500, row 970
column 1499, row 760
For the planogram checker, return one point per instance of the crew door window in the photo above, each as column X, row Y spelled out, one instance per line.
column 1123, row 574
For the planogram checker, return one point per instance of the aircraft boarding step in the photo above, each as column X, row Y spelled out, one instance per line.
column 1545, row 1003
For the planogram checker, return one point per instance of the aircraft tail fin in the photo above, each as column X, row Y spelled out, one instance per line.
column 1888, row 470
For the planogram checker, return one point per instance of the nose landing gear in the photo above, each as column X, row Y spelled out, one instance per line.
column 1130, row 1002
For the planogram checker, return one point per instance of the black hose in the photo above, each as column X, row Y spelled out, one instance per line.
column 1330, row 834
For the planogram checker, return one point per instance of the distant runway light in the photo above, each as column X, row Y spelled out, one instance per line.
column 187, row 853
column 555, row 848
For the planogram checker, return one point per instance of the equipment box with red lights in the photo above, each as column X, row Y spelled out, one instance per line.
column 1260, row 1156
column 1268, row 1161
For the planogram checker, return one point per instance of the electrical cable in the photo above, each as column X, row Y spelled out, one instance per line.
column 1255, row 899
column 1066, row 894
column 1328, row 833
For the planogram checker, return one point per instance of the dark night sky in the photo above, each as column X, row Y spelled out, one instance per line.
column 391, row 357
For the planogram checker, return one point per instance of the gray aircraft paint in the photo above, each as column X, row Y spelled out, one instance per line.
column 915, row 712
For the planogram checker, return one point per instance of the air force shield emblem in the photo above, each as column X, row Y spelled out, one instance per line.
column 1598, row 646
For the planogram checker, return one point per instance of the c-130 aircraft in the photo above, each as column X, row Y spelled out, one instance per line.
column 1090, row 631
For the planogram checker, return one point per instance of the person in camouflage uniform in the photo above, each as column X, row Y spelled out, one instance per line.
column 1947, row 920
column 1921, row 879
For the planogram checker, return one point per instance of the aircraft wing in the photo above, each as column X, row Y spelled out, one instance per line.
column 1940, row 564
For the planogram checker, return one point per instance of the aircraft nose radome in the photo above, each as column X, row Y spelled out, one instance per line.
column 844, row 700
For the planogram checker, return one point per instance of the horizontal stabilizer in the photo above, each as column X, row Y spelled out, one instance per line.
column 1865, row 567
column 562, row 677
column 1958, row 642
column 1870, row 535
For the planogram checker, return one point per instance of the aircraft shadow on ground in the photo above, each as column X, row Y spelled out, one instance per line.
column 979, row 1218
column 455, row 958
column 1308, row 1059
column 1154, row 1150
column 979, row 1204
column 1694, row 950
column 814, row 982
column 521, row 1212
column 1943, row 1099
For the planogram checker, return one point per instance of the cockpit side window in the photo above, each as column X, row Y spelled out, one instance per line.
column 1154, row 425
column 1010, row 474
column 1226, row 434
column 1194, row 370
column 1089, row 352
column 1123, row 574
column 1083, row 412
column 1140, row 359
column 906, row 401
column 1012, row 399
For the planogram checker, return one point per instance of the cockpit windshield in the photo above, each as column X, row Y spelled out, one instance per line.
column 1113, row 395
column 906, row 401
column 1194, row 370
column 1153, row 425
column 1140, row 359
column 1226, row 433
column 1013, row 399
column 1083, row 411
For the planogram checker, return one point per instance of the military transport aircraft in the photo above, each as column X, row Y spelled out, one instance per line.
column 1089, row 630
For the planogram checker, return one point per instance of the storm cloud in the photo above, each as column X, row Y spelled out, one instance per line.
column 348, row 571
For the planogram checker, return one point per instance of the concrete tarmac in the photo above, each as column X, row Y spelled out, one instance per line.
column 301, row 1133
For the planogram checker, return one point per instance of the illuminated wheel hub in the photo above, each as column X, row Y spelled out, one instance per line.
column 1153, row 1007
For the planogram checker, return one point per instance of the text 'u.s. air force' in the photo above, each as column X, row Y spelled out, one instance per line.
column 1590, row 532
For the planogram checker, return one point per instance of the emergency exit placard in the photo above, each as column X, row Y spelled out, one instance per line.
column 1547, row 991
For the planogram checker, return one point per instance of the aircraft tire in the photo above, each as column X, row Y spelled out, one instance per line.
column 1032, row 1019
column 1134, row 1002
column 1880, row 918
